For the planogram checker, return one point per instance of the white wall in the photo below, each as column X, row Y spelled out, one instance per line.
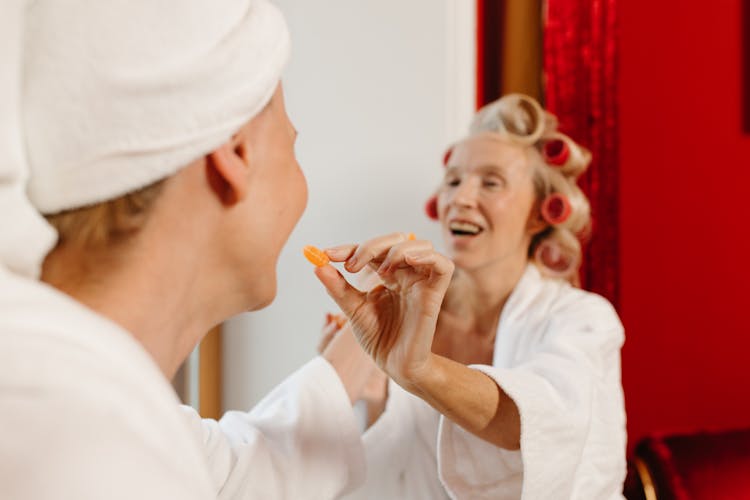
column 377, row 90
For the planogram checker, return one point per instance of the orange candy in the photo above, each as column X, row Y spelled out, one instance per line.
column 411, row 236
column 316, row 256
column 341, row 320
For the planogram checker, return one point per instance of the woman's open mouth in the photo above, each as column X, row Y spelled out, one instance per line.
column 464, row 228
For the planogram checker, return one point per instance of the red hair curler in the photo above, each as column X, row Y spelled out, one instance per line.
column 562, row 153
column 556, row 209
column 447, row 156
column 556, row 152
column 430, row 208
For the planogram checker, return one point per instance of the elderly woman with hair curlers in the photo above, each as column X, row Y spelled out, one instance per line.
column 518, row 393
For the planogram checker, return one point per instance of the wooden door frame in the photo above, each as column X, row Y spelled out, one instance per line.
column 210, row 374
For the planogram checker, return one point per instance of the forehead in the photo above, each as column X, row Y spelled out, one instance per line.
column 272, row 115
column 487, row 151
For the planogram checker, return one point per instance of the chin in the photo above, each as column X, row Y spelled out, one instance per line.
column 461, row 254
column 263, row 295
column 467, row 260
column 464, row 264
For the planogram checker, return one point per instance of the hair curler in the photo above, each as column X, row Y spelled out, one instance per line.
column 430, row 208
column 561, row 152
column 556, row 263
column 556, row 209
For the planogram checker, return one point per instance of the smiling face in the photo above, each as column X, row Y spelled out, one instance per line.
column 485, row 202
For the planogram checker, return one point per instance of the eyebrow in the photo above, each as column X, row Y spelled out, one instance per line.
column 489, row 167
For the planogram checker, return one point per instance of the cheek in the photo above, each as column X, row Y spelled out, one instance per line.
column 443, row 199
column 292, row 192
column 504, row 214
column 520, row 210
column 300, row 193
column 304, row 188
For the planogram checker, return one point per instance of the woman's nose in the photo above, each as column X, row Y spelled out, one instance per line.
column 466, row 193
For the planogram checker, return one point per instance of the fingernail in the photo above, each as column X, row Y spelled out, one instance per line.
column 414, row 256
column 352, row 262
column 335, row 250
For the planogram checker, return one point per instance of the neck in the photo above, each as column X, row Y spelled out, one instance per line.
column 144, row 290
column 481, row 293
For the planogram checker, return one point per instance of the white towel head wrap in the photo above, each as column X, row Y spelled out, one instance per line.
column 105, row 97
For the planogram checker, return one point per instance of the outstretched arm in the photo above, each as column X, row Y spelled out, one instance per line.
column 395, row 324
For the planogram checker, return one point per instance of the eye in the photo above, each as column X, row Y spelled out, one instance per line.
column 493, row 182
column 452, row 181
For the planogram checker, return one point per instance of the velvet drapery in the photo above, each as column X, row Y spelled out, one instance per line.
column 580, row 63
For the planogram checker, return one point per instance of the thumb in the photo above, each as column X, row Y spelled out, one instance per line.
column 346, row 296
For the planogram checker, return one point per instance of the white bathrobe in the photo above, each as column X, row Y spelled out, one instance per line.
column 86, row 414
column 557, row 354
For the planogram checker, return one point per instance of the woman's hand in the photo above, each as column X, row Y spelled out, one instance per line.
column 334, row 323
column 362, row 378
column 393, row 322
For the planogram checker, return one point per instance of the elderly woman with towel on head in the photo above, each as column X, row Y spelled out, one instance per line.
column 148, row 183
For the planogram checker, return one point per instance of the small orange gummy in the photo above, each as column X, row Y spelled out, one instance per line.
column 341, row 320
column 411, row 236
column 316, row 256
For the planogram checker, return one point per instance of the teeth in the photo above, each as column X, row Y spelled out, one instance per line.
column 464, row 227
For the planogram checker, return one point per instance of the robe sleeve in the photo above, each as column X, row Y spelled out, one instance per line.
column 76, row 446
column 384, row 440
column 300, row 442
column 568, row 386
column 400, row 451
column 388, row 446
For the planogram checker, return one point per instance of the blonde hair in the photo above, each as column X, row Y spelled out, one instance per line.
column 557, row 162
column 107, row 223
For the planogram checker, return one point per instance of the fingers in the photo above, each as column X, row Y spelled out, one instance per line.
column 358, row 256
column 386, row 254
column 340, row 253
column 368, row 279
column 395, row 258
column 348, row 298
column 374, row 251
column 329, row 331
column 440, row 267
column 333, row 323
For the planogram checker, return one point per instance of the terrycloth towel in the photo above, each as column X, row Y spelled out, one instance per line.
column 98, row 99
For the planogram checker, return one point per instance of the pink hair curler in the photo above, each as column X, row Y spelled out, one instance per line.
column 430, row 208
column 556, row 209
column 555, row 262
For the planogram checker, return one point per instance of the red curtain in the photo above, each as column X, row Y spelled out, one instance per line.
column 746, row 66
column 580, row 71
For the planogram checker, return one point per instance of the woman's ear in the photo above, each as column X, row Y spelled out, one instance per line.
column 227, row 172
column 536, row 223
